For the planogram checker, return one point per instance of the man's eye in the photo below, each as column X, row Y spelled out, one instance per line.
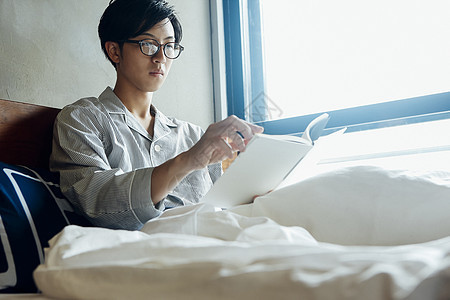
column 148, row 44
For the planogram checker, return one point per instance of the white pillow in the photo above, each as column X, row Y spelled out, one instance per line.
column 364, row 205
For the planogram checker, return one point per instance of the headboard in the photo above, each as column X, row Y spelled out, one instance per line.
column 26, row 133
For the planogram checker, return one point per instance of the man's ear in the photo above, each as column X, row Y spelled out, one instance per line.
column 113, row 50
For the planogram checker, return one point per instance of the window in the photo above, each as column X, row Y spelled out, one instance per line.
column 369, row 64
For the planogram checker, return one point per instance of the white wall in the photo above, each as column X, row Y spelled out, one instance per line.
column 50, row 54
column 188, row 91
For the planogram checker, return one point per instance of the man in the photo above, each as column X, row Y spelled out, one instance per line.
column 121, row 161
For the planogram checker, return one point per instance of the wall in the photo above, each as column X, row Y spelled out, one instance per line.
column 50, row 54
column 188, row 91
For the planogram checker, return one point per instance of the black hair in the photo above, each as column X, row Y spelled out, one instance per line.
column 125, row 19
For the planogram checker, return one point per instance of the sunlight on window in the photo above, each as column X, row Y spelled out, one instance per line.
column 326, row 55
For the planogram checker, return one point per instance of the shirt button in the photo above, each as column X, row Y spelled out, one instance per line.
column 157, row 148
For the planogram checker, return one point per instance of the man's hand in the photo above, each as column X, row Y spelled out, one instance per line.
column 221, row 140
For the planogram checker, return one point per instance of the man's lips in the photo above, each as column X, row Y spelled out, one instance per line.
column 157, row 73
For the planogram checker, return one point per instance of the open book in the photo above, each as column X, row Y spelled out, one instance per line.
column 266, row 161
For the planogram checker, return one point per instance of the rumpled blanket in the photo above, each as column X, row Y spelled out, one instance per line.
column 347, row 234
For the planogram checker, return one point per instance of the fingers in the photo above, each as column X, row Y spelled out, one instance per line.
column 239, row 132
column 221, row 140
column 208, row 151
column 255, row 128
column 236, row 141
column 247, row 130
column 222, row 151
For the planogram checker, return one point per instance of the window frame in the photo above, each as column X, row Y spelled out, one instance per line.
column 243, row 94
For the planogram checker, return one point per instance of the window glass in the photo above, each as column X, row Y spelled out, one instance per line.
column 328, row 55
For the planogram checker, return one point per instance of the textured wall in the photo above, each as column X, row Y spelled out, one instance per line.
column 50, row 54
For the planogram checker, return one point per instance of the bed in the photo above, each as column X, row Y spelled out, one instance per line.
column 359, row 232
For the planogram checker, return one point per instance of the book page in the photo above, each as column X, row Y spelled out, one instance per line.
column 264, row 164
column 308, row 166
column 314, row 129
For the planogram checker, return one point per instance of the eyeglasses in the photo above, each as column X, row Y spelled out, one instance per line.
column 151, row 47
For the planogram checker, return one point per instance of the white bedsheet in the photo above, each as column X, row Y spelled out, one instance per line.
column 198, row 252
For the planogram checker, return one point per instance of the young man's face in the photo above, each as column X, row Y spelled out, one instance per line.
column 142, row 72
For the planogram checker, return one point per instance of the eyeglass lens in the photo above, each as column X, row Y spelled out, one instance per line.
column 150, row 47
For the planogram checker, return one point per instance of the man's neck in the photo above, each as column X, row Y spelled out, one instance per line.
column 137, row 102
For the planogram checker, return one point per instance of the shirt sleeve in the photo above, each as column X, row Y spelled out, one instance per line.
column 107, row 197
column 215, row 171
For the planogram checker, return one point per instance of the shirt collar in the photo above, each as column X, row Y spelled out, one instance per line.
column 113, row 105
column 111, row 102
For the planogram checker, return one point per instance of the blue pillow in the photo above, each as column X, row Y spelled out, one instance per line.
column 32, row 211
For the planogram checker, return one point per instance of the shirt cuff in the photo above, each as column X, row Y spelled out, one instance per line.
column 140, row 196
